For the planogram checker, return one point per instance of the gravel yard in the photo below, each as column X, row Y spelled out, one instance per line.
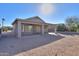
column 11, row 45
column 67, row 46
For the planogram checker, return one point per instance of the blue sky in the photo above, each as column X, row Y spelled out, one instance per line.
column 55, row 13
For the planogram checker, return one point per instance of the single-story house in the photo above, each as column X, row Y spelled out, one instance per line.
column 32, row 25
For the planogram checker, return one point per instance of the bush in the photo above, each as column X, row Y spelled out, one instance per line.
column 72, row 24
column 61, row 27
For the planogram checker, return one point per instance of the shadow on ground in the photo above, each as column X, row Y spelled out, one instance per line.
column 11, row 45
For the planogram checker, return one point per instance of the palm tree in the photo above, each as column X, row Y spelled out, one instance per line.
column 3, row 23
column 0, row 28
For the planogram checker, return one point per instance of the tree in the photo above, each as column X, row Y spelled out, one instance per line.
column 72, row 23
column 61, row 27
column 6, row 28
column 0, row 28
column 3, row 23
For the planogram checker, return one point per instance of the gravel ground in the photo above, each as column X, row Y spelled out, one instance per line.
column 10, row 45
column 62, row 44
column 67, row 46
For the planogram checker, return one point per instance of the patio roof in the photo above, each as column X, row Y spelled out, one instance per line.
column 35, row 19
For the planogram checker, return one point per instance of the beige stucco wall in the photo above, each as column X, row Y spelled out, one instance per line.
column 52, row 27
column 35, row 29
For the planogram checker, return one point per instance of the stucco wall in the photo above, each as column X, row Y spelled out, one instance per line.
column 52, row 27
column 36, row 29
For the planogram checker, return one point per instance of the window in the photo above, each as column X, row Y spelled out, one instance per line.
column 27, row 28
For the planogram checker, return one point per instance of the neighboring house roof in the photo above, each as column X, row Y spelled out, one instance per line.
column 31, row 19
column 51, row 24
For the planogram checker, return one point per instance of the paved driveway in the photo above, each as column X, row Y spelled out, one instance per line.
column 11, row 45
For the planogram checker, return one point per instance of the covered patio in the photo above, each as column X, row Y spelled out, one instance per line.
column 26, row 27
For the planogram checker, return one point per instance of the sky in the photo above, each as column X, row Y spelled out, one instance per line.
column 50, row 13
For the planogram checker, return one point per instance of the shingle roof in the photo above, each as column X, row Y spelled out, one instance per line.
column 28, row 19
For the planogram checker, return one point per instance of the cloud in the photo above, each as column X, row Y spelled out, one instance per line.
column 46, row 9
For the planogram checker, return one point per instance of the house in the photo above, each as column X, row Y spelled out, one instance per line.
column 32, row 25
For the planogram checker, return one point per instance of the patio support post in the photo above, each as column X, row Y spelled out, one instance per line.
column 56, row 29
column 23, row 28
column 42, row 29
column 19, row 29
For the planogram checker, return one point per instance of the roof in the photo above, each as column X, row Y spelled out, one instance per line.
column 32, row 19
